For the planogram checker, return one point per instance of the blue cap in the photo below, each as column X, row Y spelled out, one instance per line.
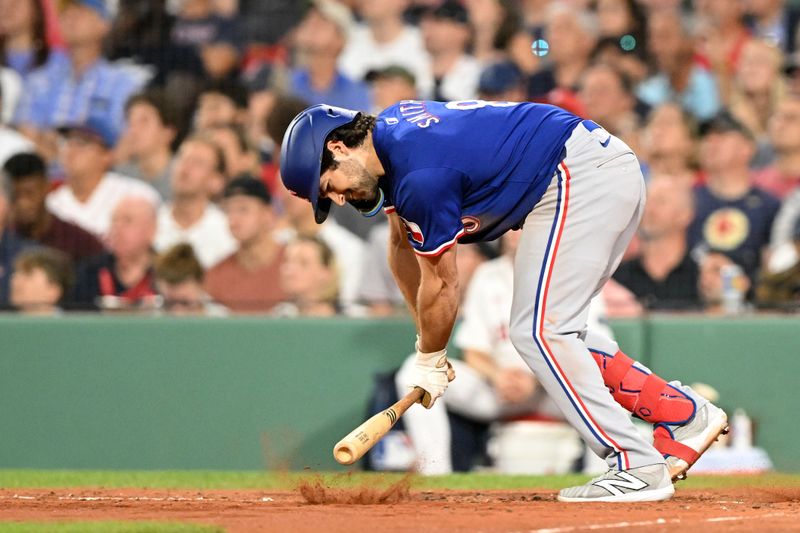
column 301, row 152
column 499, row 77
column 97, row 5
column 95, row 125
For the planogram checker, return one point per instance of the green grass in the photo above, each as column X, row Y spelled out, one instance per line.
column 105, row 527
column 287, row 481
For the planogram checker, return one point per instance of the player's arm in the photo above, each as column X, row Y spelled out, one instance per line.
column 404, row 265
column 437, row 300
column 429, row 285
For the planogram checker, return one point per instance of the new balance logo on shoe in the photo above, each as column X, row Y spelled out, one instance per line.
column 624, row 481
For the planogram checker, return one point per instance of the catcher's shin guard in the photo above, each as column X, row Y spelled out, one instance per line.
column 642, row 393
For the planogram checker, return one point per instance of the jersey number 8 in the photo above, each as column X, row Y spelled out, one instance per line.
column 465, row 105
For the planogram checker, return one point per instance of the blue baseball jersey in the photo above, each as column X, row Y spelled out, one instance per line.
column 467, row 171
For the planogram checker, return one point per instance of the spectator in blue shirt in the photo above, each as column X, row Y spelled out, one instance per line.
column 70, row 87
column 318, row 42
column 732, row 216
column 678, row 76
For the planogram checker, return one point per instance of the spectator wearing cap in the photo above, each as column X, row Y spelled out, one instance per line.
column 310, row 279
column 29, row 187
column 43, row 278
column 783, row 175
column 391, row 85
column 73, row 86
column 607, row 98
column 502, row 81
column 384, row 39
column 191, row 217
column 145, row 148
column 571, row 35
column 220, row 102
column 447, row 34
column 11, row 141
column 123, row 276
column 678, row 75
column 179, row 280
column 732, row 215
column 91, row 191
column 248, row 280
column 318, row 43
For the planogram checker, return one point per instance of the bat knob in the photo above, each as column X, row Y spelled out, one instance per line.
column 344, row 455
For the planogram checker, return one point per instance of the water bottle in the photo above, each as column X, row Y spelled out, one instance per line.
column 741, row 430
column 732, row 289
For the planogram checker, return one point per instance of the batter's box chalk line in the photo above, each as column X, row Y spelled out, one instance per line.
column 265, row 499
column 644, row 523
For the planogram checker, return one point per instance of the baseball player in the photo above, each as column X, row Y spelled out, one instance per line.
column 469, row 171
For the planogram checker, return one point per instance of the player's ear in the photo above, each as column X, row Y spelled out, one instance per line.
column 337, row 148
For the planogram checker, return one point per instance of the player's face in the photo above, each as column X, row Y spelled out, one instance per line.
column 349, row 182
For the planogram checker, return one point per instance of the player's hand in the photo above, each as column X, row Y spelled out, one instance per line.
column 432, row 372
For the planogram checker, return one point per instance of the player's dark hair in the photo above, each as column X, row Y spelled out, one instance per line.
column 351, row 134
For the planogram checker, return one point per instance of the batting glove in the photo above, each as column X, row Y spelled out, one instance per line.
column 432, row 373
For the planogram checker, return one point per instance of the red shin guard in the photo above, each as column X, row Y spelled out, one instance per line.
column 645, row 395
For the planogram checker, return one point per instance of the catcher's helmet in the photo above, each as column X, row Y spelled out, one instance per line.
column 301, row 152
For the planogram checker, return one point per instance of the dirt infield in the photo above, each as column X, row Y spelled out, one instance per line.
column 775, row 509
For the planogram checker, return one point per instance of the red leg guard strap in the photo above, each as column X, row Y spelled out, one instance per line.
column 617, row 368
column 649, row 397
column 644, row 394
column 666, row 445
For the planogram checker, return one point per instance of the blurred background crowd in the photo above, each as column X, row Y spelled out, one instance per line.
column 140, row 142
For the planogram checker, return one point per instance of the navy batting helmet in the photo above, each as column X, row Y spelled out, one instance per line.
column 301, row 152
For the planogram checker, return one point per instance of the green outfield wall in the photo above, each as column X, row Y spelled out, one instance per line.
column 250, row 393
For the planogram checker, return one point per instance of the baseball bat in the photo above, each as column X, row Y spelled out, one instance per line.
column 351, row 448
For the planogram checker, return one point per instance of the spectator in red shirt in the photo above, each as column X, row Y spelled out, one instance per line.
column 123, row 277
column 247, row 281
column 29, row 188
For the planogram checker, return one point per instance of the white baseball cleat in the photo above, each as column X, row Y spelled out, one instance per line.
column 649, row 483
column 685, row 444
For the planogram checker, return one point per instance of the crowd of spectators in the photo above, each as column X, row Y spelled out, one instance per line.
column 139, row 143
